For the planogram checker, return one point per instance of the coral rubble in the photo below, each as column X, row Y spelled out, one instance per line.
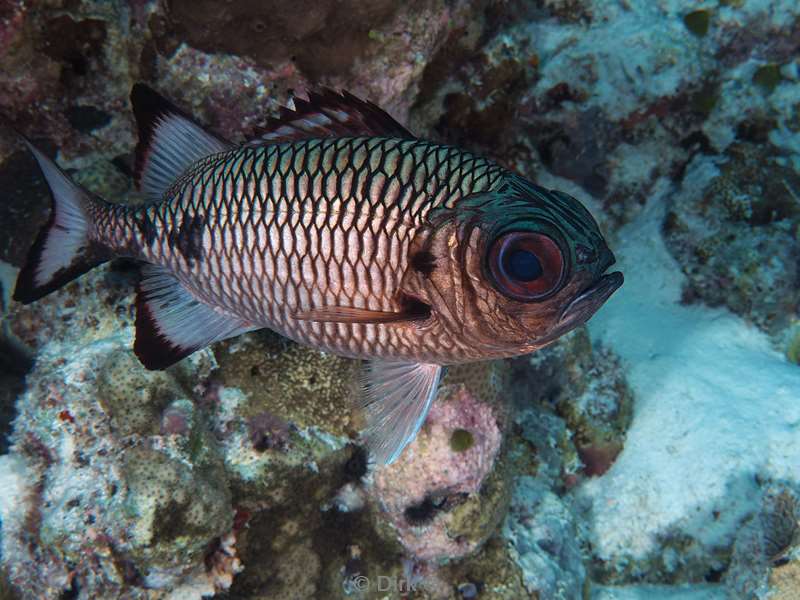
column 736, row 238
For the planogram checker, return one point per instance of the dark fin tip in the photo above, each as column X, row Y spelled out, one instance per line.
column 364, row 118
column 148, row 105
column 149, row 109
column 154, row 351
column 26, row 291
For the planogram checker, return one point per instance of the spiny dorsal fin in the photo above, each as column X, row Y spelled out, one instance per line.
column 327, row 114
column 171, row 323
column 169, row 141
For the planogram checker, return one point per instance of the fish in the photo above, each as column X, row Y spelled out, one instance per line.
column 335, row 226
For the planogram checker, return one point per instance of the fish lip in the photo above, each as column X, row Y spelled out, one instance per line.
column 590, row 300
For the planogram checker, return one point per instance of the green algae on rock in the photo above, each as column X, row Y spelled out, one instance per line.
column 587, row 389
column 133, row 398
column 153, row 504
column 461, row 440
column 793, row 345
column 768, row 77
column 177, row 510
column 305, row 543
column 698, row 22
column 492, row 572
column 766, row 540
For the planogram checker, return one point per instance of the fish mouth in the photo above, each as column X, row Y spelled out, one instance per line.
column 590, row 300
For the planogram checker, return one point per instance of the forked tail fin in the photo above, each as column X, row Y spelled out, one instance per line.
column 63, row 249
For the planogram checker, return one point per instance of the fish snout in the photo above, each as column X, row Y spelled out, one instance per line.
column 585, row 304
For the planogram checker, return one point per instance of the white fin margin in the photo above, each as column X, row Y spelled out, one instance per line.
column 172, row 323
column 68, row 237
column 396, row 401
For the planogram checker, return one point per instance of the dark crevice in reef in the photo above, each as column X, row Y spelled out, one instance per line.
column 425, row 511
column 76, row 45
column 25, row 204
column 15, row 362
column 297, row 550
column 87, row 118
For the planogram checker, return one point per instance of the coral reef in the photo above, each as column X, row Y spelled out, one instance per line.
column 25, row 208
column 106, row 508
column 377, row 49
column 673, row 502
column 445, row 499
column 543, row 528
column 614, row 95
column 492, row 573
column 765, row 543
column 543, row 537
column 187, row 475
column 586, row 388
column 736, row 238
column 651, row 455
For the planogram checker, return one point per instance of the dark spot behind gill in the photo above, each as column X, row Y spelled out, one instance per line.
column 423, row 262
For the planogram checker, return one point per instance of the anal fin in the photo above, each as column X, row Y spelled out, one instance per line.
column 396, row 401
column 172, row 324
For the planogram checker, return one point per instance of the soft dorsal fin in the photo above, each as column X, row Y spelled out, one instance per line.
column 169, row 141
column 327, row 114
column 171, row 323
column 396, row 400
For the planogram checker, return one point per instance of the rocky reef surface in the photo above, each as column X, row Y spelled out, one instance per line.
column 654, row 454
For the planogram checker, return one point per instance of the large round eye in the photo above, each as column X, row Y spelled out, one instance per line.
column 526, row 266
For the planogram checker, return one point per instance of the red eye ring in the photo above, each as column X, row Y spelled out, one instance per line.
column 526, row 266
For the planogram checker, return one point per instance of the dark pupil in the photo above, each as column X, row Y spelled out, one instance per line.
column 523, row 265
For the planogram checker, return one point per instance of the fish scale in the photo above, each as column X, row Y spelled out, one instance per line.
column 263, row 222
column 338, row 228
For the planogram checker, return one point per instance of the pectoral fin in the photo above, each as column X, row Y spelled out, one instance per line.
column 344, row 314
column 412, row 310
column 396, row 401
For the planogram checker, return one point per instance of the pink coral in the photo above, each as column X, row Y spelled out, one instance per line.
column 431, row 477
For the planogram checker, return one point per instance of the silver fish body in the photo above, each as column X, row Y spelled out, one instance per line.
column 267, row 233
column 336, row 227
